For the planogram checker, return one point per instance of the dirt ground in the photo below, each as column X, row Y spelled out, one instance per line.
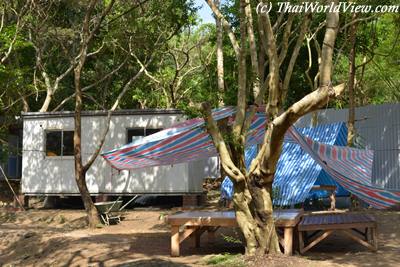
column 60, row 238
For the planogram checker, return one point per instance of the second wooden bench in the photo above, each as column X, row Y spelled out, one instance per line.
column 361, row 228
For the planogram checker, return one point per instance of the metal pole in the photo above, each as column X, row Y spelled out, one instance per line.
column 127, row 203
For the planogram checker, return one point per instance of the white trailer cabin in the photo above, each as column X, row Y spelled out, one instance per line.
column 48, row 162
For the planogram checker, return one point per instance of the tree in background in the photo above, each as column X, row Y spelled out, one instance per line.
column 92, row 53
column 97, row 14
column 178, row 76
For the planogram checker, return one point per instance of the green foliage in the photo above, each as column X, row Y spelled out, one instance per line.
column 162, row 30
column 377, row 43
column 54, row 28
column 231, row 239
column 382, row 78
column 226, row 259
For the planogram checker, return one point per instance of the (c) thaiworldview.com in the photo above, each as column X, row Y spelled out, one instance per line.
column 317, row 7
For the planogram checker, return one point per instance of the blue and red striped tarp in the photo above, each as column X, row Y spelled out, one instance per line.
column 296, row 171
column 186, row 141
column 350, row 167
column 189, row 141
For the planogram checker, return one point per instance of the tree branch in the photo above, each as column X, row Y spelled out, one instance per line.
column 357, row 20
column 109, row 113
column 253, row 51
column 229, row 167
column 295, row 54
column 285, row 38
column 18, row 25
column 226, row 25
column 332, row 22
column 273, row 83
column 242, row 74
column 88, row 87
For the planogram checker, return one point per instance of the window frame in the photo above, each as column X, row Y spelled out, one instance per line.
column 127, row 141
column 62, row 156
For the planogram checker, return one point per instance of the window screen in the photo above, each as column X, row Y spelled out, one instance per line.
column 59, row 143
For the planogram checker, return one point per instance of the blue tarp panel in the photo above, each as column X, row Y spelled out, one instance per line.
column 296, row 171
column 324, row 178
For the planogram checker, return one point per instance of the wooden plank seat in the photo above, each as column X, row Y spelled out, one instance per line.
column 195, row 223
column 362, row 228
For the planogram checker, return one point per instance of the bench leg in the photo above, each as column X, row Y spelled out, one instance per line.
column 317, row 240
column 301, row 242
column 350, row 234
column 210, row 236
column 175, row 241
column 332, row 197
column 288, row 240
column 196, row 237
column 374, row 233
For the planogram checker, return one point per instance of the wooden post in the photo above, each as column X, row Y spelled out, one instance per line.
column 211, row 235
column 288, row 240
column 175, row 241
column 374, row 231
column 301, row 242
column 333, row 200
column 196, row 237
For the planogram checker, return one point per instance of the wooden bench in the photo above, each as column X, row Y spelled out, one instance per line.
column 359, row 227
column 195, row 223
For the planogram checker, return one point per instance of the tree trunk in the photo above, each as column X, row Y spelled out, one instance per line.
column 352, row 70
column 91, row 211
column 80, row 171
column 253, row 188
column 46, row 103
column 220, row 59
column 254, row 213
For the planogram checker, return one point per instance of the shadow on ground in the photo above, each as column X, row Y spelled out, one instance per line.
column 143, row 240
column 105, row 249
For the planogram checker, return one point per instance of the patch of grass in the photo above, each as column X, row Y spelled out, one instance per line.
column 61, row 219
column 231, row 239
column 49, row 220
column 226, row 259
column 100, row 225
column 162, row 215
column 6, row 217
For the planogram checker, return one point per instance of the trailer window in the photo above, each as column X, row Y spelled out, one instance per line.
column 138, row 133
column 59, row 143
